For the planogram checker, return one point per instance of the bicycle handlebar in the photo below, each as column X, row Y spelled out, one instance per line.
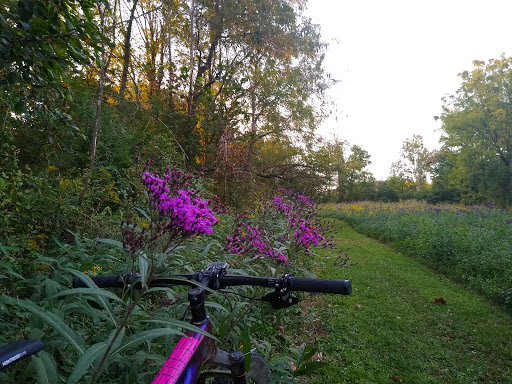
column 108, row 281
column 342, row 287
column 293, row 283
column 22, row 349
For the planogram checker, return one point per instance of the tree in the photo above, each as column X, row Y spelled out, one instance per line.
column 353, row 178
column 328, row 161
column 41, row 39
column 415, row 162
column 127, row 49
column 41, row 42
column 477, row 125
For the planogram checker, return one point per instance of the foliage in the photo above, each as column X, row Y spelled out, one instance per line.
column 342, row 170
column 415, row 162
column 470, row 245
column 41, row 39
column 285, row 229
column 91, row 334
column 476, row 124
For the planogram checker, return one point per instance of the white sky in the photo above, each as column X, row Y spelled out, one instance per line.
column 396, row 59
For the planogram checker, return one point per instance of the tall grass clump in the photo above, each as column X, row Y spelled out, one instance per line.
column 472, row 246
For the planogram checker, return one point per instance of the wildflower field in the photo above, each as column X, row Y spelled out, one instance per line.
column 472, row 246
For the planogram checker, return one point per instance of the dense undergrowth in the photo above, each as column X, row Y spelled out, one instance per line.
column 472, row 246
column 166, row 223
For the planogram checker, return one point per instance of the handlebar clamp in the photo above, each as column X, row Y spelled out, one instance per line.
column 281, row 297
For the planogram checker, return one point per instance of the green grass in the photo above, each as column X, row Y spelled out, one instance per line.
column 389, row 329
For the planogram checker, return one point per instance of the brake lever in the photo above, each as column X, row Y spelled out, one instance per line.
column 280, row 300
column 281, row 297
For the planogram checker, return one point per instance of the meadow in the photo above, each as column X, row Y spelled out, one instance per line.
column 471, row 246
column 403, row 322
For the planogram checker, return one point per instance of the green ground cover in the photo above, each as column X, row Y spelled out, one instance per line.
column 390, row 329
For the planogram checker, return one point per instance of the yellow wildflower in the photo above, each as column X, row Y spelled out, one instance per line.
column 33, row 244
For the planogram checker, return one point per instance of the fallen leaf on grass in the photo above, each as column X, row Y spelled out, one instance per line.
column 440, row 300
column 397, row 378
column 448, row 338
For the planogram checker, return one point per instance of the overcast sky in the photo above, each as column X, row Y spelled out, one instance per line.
column 396, row 59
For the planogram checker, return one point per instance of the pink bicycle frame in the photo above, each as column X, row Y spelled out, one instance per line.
column 186, row 359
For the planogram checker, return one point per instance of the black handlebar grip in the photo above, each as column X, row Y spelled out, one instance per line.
column 11, row 353
column 108, row 281
column 343, row 287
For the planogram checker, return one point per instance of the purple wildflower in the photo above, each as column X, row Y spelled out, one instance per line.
column 307, row 236
column 303, row 228
column 304, row 200
column 248, row 238
column 185, row 211
column 280, row 204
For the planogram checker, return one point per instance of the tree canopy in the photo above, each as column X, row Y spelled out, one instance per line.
column 477, row 125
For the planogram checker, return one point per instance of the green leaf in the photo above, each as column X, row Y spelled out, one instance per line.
column 10, row 272
column 144, row 336
column 99, row 294
column 53, row 321
column 246, row 339
column 118, row 340
column 5, row 248
column 309, row 367
column 212, row 304
column 144, row 214
column 89, row 291
column 46, row 369
column 20, row 107
column 178, row 324
column 86, row 360
column 206, row 250
column 307, row 352
column 144, row 267
column 27, row 26
column 112, row 242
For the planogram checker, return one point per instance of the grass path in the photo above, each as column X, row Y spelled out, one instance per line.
column 389, row 330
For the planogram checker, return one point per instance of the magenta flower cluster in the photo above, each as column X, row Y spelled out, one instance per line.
column 178, row 211
column 303, row 229
column 298, row 210
column 247, row 238
column 307, row 235
column 185, row 210
column 279, row 203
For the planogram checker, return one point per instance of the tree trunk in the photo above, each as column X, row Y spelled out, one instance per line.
column 171, row 70
column 99, row 102
column 127, row 50
column 191, row 57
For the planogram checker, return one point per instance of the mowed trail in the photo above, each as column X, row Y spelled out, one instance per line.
column 405, row 323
